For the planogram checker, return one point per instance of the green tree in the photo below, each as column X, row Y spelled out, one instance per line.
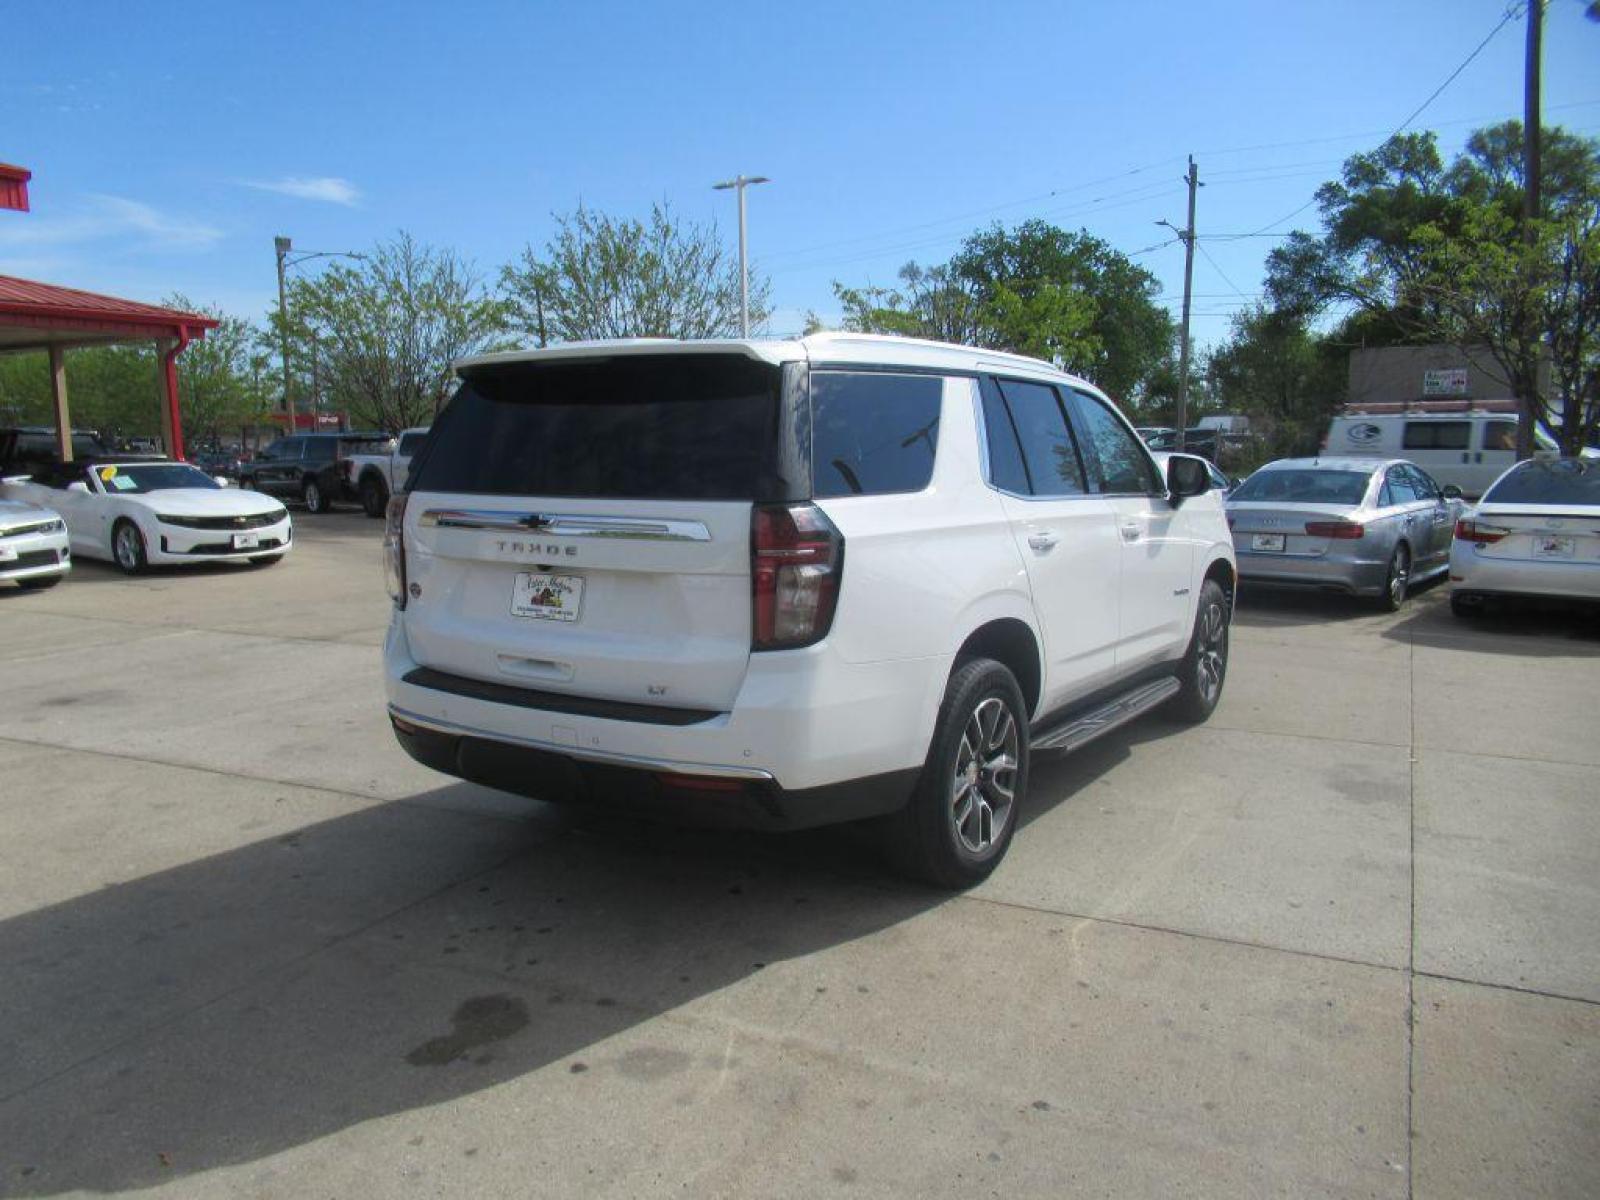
column 608, row 277
column 219, row 383
column 1281, row 374
column 1034, row 289
column 387, row 329
column 113, row 389
column 1413, row 250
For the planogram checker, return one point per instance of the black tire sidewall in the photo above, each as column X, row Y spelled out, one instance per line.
column 315, row 499
column 932, row 851
column 379, row 497
column 1190, row 704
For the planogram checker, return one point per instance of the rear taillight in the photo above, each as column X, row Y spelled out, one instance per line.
column 796, row 559
column 1344, row 531
column 1469, row 530
column 394, row 549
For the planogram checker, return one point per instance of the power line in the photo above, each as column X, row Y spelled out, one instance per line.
column 1511, row 14
column 1215, row 266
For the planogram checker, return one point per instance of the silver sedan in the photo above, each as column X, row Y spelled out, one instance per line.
column 1369, row 527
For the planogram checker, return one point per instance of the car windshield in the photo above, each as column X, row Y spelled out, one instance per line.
column 137, row 479
column 1304, row 486
column 1570, row 481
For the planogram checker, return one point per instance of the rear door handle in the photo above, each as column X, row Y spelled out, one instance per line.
column 1132, row 532
column 1042, row 541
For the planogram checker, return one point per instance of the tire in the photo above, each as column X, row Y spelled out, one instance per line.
column 40, row 583
column 316, row 499
column 374, row 496
column 1397, row 582
column 266, row 560
column 960, row 819
column 1204, row 667
column 127, row 548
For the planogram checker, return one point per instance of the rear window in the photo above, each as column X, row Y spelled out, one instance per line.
column 670, row 427
column 873, row 434
column 1437, row 435
column 1570, row 481
column 1304, row 487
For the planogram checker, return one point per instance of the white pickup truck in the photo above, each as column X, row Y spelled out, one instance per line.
column 373, row 478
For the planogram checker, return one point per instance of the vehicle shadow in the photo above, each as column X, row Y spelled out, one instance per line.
column 1524, row 628
column 1266, row 607
column 228, row 1009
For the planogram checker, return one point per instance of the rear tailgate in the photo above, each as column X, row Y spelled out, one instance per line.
column 584, row 527
column 620, row 600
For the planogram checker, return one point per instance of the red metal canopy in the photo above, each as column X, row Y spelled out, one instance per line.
column 14, row 187
column 45, row 316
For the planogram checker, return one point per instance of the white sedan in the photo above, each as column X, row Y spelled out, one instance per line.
column 1536, row 532
column 154, row 512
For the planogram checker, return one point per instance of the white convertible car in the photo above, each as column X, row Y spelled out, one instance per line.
column 155, row 512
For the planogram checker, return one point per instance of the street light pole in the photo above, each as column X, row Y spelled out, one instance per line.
column 739, row 183
column 282, row 246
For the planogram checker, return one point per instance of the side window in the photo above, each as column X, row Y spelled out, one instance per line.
column 1436, row 435
column 410, row 443
column 320, row 449
column 1116, row 460
column 1006, row 468
column 873, row 434
column 1048, row 448
column 1399, row 485
column 1423, row 484
column 284, row 449
column 1386, row 494
column 1500, row 435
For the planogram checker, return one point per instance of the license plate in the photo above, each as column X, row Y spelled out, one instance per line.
column 1552, row 547
column 547, row 597
column 246, row 541
column 1266, row 541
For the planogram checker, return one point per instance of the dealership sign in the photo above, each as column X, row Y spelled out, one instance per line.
column 1451, row 381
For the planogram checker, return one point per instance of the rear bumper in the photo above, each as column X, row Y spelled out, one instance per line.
column 748, row 801
column 803, row 720
column 1472, row 573
column 1345, row 573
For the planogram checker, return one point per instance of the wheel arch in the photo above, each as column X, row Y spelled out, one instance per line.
column 1011, row 642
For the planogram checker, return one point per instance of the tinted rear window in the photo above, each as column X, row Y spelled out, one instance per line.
column 1570, row 481
column 873, row 434
column 1304, row 487
column 670, row 427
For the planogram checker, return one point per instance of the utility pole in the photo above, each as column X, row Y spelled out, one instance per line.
column 1527, row 404
column 1186, row 236
column 282, row 246
column 739, row 183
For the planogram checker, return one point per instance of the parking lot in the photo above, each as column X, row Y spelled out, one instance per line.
column 1340, row 941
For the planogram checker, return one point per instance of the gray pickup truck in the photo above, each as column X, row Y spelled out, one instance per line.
column 373, row 478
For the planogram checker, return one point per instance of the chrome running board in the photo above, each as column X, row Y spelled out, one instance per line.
column 1079, row 730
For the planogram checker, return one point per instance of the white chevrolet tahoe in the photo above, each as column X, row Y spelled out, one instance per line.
column 786, row 583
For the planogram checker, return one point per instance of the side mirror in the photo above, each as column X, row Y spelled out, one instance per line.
column 1186, row 476
column 1452, row 492
column 77, row 485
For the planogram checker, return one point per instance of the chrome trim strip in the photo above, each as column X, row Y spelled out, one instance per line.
column 567, row 525
column 598, row 756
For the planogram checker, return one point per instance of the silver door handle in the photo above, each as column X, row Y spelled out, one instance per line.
column 1131, row 533
column 1042, row 541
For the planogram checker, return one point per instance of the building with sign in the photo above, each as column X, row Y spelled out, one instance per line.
column 1403, row 375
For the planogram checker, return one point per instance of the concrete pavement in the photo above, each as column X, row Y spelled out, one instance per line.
column 1339, row 941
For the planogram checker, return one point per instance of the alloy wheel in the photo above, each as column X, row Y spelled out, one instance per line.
column 128, row 548
column 1211, row 659
column 1399, row 576
column 983, row 787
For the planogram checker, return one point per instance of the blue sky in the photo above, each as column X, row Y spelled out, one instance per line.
column 168, row 148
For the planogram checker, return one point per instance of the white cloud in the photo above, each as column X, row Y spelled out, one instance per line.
column 328, row 188
column 132, row 224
